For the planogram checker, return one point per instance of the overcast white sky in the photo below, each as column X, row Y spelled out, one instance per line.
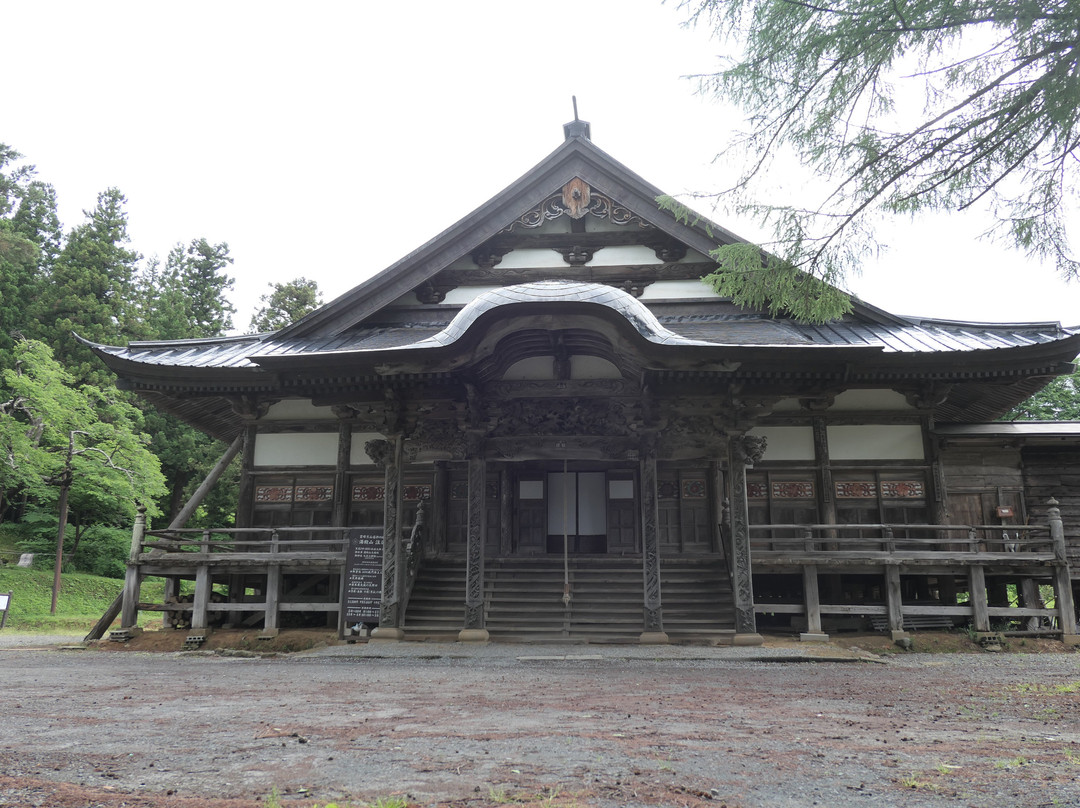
column 328, row 139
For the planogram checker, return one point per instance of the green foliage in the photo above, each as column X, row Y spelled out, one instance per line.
column 29, row 244
column 97, row 549
column 756, row 279
column 1058, row 401
column 52, row 434
column 91, row 290
column 904, row 107
column 185, row 299
column 285, row 304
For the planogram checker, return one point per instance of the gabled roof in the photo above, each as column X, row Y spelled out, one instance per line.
column 577, row 157
column 368, row 332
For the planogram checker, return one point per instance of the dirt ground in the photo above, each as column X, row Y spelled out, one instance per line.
column 849, row 723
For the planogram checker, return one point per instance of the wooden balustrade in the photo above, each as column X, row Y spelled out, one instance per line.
column 798, row 544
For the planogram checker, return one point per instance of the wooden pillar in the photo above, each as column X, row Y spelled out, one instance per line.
column 977, row 597
column 716, row 480
column 199, row 609
column 129, row 613
column 1030, row 599
column 391, row 453
column 440, row 507
column 342, row 498
column 743, row 452
column 812, row 602
column 831, row 582
column 653, row 633
column 473, row 630
column 245, row 506
column 271, row 621
column 506, row 511
column 894, row 600
column 1063, row 594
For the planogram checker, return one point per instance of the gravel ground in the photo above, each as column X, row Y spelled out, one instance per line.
column 453, row 725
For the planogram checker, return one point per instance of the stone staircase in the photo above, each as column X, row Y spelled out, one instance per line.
column 525, row 600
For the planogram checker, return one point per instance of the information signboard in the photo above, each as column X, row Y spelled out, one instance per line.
column 363, row 576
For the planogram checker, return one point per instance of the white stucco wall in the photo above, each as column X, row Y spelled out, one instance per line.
column 787, row 442
column 876, row 442
column 296, row 449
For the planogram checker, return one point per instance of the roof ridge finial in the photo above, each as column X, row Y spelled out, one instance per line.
column 576, row 127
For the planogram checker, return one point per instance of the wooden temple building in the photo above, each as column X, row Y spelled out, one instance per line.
column 558, row 431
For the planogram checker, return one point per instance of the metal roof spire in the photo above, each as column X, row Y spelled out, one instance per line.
column 576, row 127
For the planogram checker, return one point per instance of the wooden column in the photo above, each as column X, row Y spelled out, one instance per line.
column 246, row 504
column 342, row 498
column 203, row 584
column 894, row 601
column 977, row 597
column 129, row 613
column 1063, row 594
column 743, row 451
column 1030, row 599
column 812, row 601
column 506, row 511
column 654, row 633
column 831, row 582
column 716, row 480
column 440, row 506
column 473, row 630
column 391, row 453
column 273, row 588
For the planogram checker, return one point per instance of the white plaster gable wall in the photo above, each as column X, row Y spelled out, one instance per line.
column 296, row 449
column 787, row 442
column 876, row 442
column 679, row 290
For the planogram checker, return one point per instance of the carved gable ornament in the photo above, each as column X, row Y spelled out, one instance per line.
column 575, row 199
column 576, row 196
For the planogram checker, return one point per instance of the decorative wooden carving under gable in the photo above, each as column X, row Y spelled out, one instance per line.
column 442, row 437
column 572, row 416
column 563, row 202
column 430, row 293
column 576, row 196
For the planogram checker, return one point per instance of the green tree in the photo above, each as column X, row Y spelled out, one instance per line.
column 91, row 290
column 286, row 303
column 29, row 243
column 79, row 449
column 902, row 106
column 37, row 219
column 13, row 179
column 183, row 299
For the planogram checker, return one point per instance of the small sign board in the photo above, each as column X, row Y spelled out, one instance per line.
column 363, row 576
column 5, row 604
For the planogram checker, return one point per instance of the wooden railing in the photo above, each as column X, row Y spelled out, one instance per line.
column 282, row 543
column 875, row 541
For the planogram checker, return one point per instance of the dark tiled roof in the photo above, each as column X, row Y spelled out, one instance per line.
column 907, row 336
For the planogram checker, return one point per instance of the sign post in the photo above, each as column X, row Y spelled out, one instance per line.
column 363, row 577
column 5, row 604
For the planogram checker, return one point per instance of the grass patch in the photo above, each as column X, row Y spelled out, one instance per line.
column 82, row 601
